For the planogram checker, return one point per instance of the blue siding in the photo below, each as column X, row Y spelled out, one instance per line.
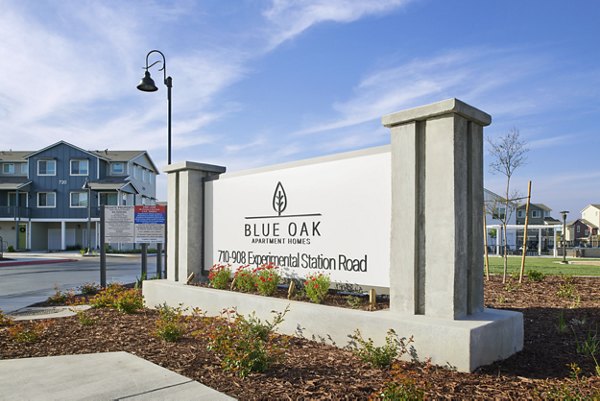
column 63, row 154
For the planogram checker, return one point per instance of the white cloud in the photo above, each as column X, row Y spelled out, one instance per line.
column 469, row 74
column 292, row 17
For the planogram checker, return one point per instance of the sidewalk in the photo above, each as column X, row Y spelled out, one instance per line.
column 102, row 376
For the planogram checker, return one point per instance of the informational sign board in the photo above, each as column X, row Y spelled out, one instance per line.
column 329, row 215
column 135, row 224
column 119, row 224
column 150, row 224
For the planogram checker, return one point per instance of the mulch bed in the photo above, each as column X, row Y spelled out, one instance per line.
column 311, row 370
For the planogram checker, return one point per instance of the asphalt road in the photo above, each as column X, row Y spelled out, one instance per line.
column 22, row 286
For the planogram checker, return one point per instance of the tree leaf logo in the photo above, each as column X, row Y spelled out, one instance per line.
column 279, row 199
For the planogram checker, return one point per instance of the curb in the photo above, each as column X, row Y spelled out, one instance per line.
column 35, row 262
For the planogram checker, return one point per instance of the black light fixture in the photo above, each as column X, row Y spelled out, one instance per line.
column 147, row 85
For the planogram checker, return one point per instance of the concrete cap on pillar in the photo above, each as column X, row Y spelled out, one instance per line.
column 207, row 168
column 437, row 109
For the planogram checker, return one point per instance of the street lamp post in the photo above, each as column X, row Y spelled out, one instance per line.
column 564, row 236
column 147, row 85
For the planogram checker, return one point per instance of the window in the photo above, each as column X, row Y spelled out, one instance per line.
column 117, row 168
column 144, row 175
column 586, row 232
column 108, row 198
column 535, row 214
column 8, row 168
column 79, row 199
column 578, row 229
column 24, row 169
column 521, row 214
column 12, row 199
column 80, row 167
column 499, row 213
column 46, row 167
column 136, row 171
column 46, row 199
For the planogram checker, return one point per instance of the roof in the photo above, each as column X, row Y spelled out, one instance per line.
column 550, row 220
column 595, row 205
column 61, row 143
column 113, row 184
column 14, row 156
column 109, row 155
column 583, row 221
column 588, row 223
column 123, row 155
column 118, row 155
column 14, row 183
column 538, row 205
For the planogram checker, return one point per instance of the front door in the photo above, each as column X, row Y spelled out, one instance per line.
column 22, row 236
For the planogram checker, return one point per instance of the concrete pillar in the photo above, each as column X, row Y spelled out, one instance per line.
column 436, row 265
column 185, row 231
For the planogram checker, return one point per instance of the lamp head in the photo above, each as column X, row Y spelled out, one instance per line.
column 147, row 83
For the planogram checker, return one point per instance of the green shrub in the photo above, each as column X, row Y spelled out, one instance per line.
column 10, row 248
column 380, row 356
column 267, row 279
column 245, row 345
column 171, row 324
column 84, row 319
column 27, row 334
column 535, row 275
column 316, row 287
column 5, row 320
column 60, row 297
column 106, row 298
column 89, row 289
column 120, row 298
column 244, row 279
column 219, row 275
column 129, row 301
column 406, row 390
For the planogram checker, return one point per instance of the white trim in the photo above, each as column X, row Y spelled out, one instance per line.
column 46, row 160
column 45, row 207
column 49, row 220
column 79, row 175
column 97, row 168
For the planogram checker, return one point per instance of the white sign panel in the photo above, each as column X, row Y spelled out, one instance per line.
column 329, row 215
column 119, row 224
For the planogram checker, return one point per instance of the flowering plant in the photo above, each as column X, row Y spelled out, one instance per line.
column 244, row 279
column 316, row 287
column 218, row 276
column 267, row 279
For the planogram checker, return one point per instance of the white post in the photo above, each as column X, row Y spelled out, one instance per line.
column 63, row 235
column 437, row 192
column 539, row 241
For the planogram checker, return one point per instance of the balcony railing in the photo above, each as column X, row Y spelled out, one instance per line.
column 14, row 211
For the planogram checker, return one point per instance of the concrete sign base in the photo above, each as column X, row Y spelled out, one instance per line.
column 465, row 344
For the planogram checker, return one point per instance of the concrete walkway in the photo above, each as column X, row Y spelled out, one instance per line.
column 102, row 376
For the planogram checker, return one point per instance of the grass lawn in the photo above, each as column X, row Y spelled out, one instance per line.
column 546, row 265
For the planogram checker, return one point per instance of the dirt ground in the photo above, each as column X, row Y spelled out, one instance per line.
column 561, row 315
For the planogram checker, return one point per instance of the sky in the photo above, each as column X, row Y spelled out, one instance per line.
column 260, row 82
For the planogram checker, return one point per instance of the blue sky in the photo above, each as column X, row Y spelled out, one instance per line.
column 262, row 82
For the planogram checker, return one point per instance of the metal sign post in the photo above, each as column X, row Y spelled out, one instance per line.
column 102, row 249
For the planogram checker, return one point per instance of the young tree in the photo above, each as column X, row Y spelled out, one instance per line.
column 508, row 152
